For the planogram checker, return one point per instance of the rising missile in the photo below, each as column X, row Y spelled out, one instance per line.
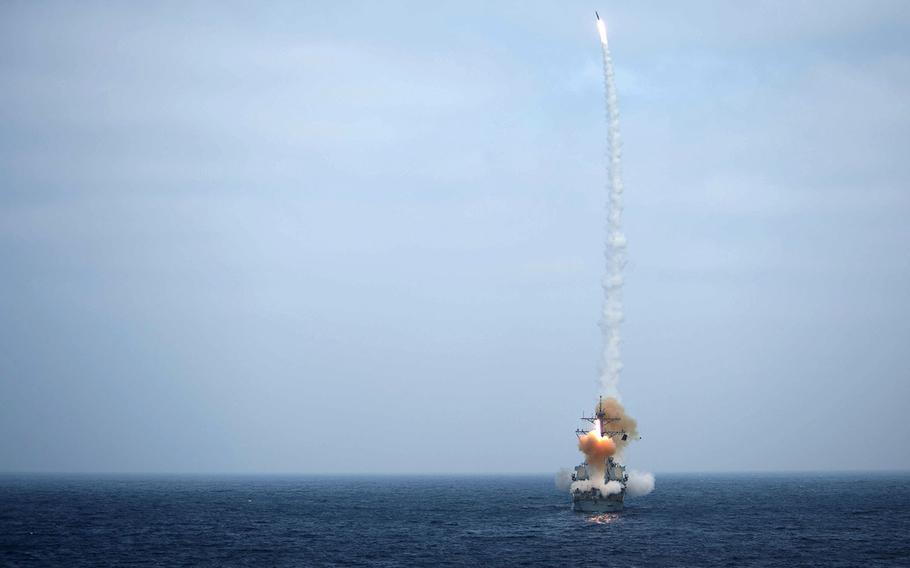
column 601, row 28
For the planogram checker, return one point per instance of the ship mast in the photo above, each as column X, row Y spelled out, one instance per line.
column 604, row 419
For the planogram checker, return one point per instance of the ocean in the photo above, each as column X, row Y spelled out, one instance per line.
column 690, row 520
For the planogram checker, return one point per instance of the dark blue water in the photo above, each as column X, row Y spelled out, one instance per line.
column 740, row 520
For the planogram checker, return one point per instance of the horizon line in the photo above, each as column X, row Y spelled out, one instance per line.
column 431, row 474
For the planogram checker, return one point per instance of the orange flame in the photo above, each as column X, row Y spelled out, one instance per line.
column 595, row 446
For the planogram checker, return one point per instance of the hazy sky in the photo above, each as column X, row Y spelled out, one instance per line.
column 354, row 237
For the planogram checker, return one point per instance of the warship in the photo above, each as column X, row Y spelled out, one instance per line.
column 606, row 494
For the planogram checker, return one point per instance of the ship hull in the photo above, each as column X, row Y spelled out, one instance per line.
column 598, row 504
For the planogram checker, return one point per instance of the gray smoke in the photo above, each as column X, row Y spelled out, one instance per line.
column 563, row 479
column 639, row 483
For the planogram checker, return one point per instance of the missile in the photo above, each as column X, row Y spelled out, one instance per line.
column 601, row 28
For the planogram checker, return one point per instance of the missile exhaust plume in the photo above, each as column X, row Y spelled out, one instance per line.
column 601, row 29
column 615, row 249
column 596, row 447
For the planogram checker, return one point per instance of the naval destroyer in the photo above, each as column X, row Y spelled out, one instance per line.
column 601, row 494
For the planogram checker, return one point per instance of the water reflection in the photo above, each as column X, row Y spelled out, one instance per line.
column 603, row 518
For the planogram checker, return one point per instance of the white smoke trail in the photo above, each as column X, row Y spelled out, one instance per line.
column 615, row 251
column 637, row 483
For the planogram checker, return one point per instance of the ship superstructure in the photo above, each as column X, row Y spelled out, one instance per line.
column 600, row 486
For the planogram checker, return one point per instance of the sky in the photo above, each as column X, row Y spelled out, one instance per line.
column 365, row 237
